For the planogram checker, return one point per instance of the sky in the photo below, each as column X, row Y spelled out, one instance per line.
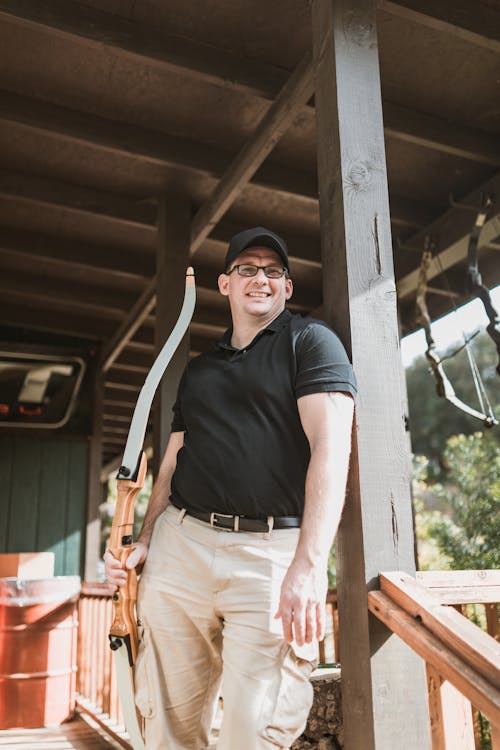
column 450, row 328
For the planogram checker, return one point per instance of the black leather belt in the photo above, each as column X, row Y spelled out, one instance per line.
column 243, row 523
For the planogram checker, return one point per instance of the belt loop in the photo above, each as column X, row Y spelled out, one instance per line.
column 236, row 526
column 180, row 517
column 270, row 525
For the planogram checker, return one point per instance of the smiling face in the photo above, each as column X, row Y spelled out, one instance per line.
column 257, row 297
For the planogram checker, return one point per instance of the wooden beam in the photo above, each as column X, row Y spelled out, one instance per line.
column 142, row 145
column 450, row 666
column 294, row 94
column 450, row 714
column 89, row 302
column 64, row 294
column 139, row 311
column 38, row 317
column 359, row 301
column 459, row 634
column 70, row 271
column 461, row 18
column 126, row 265
column 91, row 27
column 292, row 97
column 462, row 586
column 431, row 132
column 452, row 231
column 217, row 67
column 42, row 192
column 411, row 214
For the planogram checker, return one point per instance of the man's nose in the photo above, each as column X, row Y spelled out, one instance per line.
column 260, row 275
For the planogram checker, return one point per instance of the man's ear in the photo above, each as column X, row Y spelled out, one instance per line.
column 223, row 282
column 288, row 288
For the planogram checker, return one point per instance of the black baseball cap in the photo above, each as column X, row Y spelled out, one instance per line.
column 256, row 237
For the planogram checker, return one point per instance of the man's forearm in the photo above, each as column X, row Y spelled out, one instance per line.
column 157, row 503
column 324, row 501
column 161, row 491
column 326, row 480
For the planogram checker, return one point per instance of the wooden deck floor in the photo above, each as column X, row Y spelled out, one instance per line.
column 77, row 734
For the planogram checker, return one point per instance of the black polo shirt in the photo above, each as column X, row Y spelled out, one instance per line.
column 245, row 451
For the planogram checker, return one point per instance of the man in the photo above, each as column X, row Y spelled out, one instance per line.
column 241, row 519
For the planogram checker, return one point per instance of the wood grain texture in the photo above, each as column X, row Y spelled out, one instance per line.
column 460, row 18
column 451, row 667
column 360, row 303
column 460, row 635
column 72, row 735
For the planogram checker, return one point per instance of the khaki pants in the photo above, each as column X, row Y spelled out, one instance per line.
column 207, row 599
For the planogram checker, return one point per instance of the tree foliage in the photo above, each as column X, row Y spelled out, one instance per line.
column 469, row 533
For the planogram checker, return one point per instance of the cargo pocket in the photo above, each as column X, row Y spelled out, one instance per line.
column 143, row 675
column 291, row 699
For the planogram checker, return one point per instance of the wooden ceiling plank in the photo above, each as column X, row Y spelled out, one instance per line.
column 65, row 293
column 56, row 268
column 42, row 191
column 294, row 94
column 34, row 316
column 150, row 146
column 91, row 26
column 106, row 258
column 46, row 300
column 220, row 68
column 445, row 259
column 411, row 214
column 428, row 131
column 461, row 18
column 452, row 231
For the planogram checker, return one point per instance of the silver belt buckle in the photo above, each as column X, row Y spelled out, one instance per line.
column 213, row 521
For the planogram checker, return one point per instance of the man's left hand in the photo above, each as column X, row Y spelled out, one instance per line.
column 302, row 603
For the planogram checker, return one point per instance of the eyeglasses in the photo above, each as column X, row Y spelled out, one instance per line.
column 247, row 269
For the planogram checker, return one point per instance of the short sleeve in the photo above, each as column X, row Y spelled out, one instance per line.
column 322, row 362
column 178, row 420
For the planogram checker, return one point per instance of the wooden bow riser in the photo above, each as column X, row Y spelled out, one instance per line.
column 120, row 545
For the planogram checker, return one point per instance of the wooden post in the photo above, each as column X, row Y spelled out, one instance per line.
column 94, row 496
column 172, row 259
column 452, row 727
column 383, row 682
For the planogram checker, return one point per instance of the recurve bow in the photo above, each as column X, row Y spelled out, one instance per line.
column 444, row 387
column 123, row 635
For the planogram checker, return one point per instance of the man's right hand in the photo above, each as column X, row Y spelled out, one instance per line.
column 116, row 574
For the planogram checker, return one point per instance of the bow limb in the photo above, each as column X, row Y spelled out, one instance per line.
column 445, row 390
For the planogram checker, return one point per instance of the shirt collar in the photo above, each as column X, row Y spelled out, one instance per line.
column 275, row 325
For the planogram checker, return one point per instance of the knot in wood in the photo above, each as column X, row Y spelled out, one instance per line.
column 359, row 176
column 359, row 30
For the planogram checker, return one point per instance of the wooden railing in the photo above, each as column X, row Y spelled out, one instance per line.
column 97, row 690
column 462, row 661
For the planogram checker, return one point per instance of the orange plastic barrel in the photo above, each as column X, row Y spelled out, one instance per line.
column 38, row 641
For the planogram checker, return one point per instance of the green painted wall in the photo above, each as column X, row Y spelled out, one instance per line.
column 43, row 492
